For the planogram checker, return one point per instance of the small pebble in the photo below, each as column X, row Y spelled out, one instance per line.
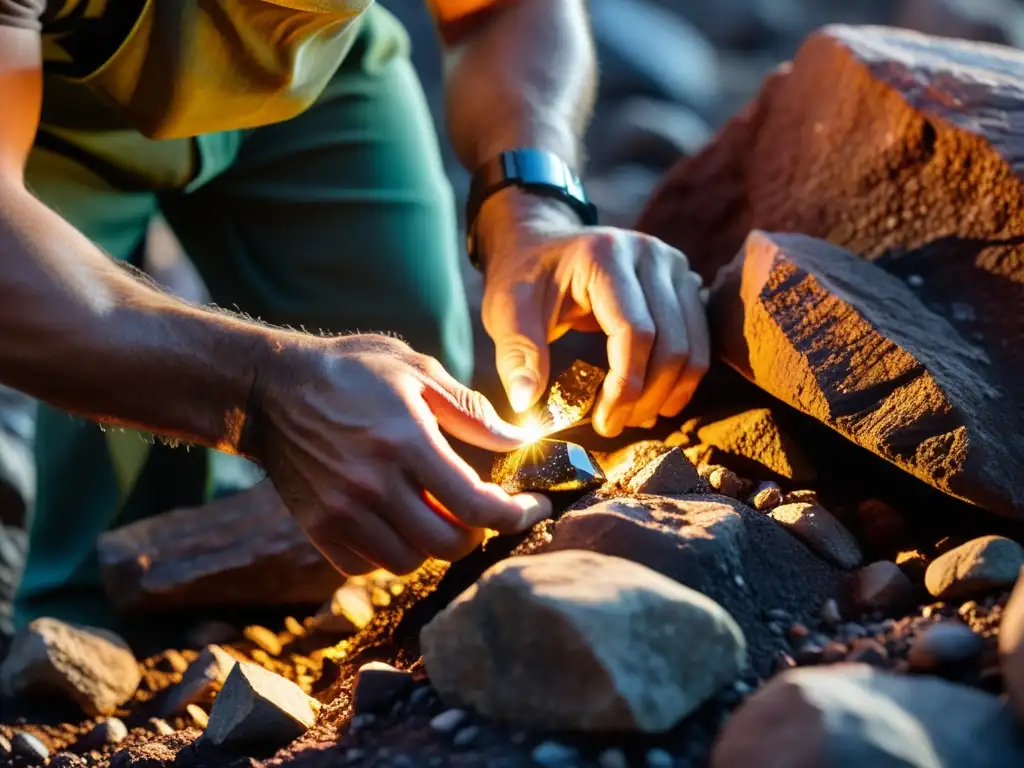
column 264, row 639
column 110, row 731
column 798, row 631
column 944, row 644
column 5, row 746
column 659, row 758
column 420, row 697
column 173, row 661
column 834, row 652
column 293, row 628
column 868, row 651
column 830, row 612
column 361, row 722
column 198, row 715
column 932, row 610
column 776, row 629
column 612, row 758
column 448, row 720
column 553, row 755
column 29, row 747
column 66, row 760
column 809, row 653
column 160, row 727
column 726, row 482
column 742, row 688
column 378, row 685
column 784, row 661
column 766, row 496
column 801, row 497
column 851, row 630
column 464, row 737
column 353, row 754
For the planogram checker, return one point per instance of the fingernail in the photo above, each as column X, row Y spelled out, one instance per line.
column 520, row 391
column 535, row 508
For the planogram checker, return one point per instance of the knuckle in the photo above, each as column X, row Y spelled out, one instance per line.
column 642, row 333
column 405, row 563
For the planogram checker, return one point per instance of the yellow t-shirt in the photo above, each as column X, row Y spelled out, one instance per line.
column 179, row 68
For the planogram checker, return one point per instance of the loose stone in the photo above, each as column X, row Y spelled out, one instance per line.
column 612, row 758
column 551, row 754
column 198, row 715
column 659, row 758
column 160, row 727
column 766, row 496
column 830, row 612
column 882, row 586
column 465, row 737
column 945, row 644
column 263, row 638
column 726, row 482
column 378, row 685
column 448, row 720
column 980, row 565
column 27, row 746
column 820, row 531
column 111, row 731
column 669, row 473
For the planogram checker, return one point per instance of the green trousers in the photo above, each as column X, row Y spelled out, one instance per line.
column 339, row 220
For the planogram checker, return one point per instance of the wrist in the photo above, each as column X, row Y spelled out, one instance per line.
column 514, row 214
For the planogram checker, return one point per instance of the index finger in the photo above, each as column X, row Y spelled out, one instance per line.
column 620, row 308
column 439, row 470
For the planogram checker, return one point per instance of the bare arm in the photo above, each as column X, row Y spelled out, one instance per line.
column 80, row 332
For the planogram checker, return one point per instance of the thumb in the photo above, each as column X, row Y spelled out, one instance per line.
column 466, row 414
column 521, row 351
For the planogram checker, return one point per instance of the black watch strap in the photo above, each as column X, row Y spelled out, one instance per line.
column 537, row 171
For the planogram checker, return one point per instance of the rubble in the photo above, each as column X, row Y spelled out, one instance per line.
column 850, row 716
column 979, row 566
column 819, row 529
column 239, row 550
column 669, row 473
column 256, row 706
column 92, row 667
column 576, row 640
column 200, row 682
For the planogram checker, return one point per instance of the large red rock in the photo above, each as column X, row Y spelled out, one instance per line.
column 905, row 150
column 841, row 340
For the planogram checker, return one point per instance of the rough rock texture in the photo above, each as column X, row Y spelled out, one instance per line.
column 669, row 473
column 717, row 546
column 980, row 565
column 92, row 667
column 839, row 339
column 256, row 706
column 882, row 586
column 240, row 550
column 1011, row 648
column 819, row 529
column 200, row 681
column 755, row 446
column 904, row 150
column 581, row 641
column 851, row 716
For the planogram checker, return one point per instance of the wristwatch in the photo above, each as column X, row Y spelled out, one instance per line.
column 535, row 170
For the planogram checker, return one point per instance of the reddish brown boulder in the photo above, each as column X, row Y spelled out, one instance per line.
column 902, row 148
column 240, row 550
column 841, row 340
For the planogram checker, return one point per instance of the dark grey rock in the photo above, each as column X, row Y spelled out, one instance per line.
column 979, row 566
column 378, row 685
column 28, row 747
column 945, row 644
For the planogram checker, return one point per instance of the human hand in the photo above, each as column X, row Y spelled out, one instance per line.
column 545, row 275
column 349, row 430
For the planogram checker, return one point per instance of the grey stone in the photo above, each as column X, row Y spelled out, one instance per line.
column 659, row 758
column 851, row 716
column 200, row 681
column 92, row 667
column 944, row 644
column 1011, row 648
column 257, row 706
column 104, row 733
column 821, row 531
column 581, row 641
column 551, row 754
column 465, row 737
column 29, row 747
column 980, row 565
column 378, row 685
column 669, row 473
column 448, row 721
column 882, row 586
column 704, row 542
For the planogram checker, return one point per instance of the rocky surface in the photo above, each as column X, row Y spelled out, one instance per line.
column 819, row 530
column 983, row 564
column 928, row 190
column 243, row 549
column 856, row 716
column 614, row 646
column 92, row 667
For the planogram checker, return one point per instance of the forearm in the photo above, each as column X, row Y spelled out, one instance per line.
column 81, row 333
column 525, row 77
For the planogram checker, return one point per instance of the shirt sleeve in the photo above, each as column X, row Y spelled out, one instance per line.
column 26, row 14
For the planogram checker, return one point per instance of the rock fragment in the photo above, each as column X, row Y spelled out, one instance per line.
column 755, row 446
column 882, row 586
column 92, row 667
column 979, row 566
column 6, row 750
column 581, row 641
column 348, row 611
column 766, row 496
column 200, row 682
column 1011, row 648
column 669, row 473
column 264, row 639
column 240, row 550
column 850, row 716
column 29, row 747
column 378, row 686
column 258, row 707
column 571, row 396
column 103, row 734
column 821, row 531
column 726, row 482
column 946, row 644
column 928, row 395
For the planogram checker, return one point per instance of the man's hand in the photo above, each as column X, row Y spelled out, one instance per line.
column 349, row 429
column 547, row 275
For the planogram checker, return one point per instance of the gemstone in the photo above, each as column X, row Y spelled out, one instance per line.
column 548, row 466
column 571, row 396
